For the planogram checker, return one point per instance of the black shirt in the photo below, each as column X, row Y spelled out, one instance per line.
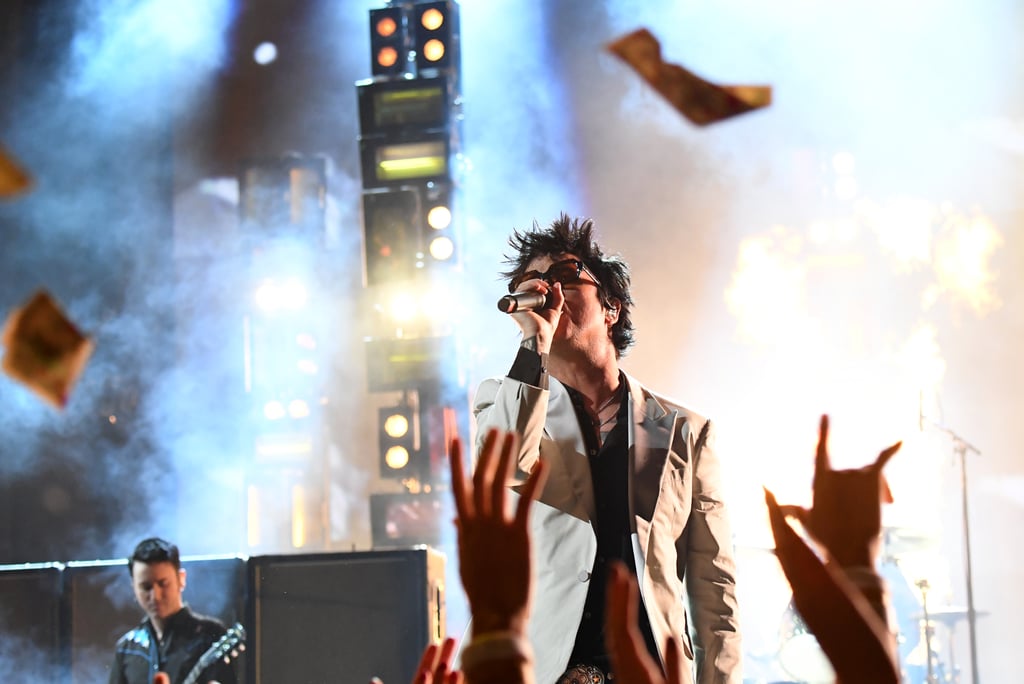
column 609, row 464
column 609, row 473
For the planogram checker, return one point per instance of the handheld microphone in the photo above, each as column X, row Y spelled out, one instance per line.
column 523, row 301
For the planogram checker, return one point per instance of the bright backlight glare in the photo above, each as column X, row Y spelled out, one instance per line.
column 294, row 293
column 403, row 306
column 844, row 163
column 297, row 408
column 272, row 295
column 265, row 53
column 963, row 252
column 396, row 425
column 298, row 516
column 439, row 217
column 433, row 50
column 273, row 410
column 846, row 187
column 266, row 295
column 442, row 248
column 397, row 457
column 432, row 19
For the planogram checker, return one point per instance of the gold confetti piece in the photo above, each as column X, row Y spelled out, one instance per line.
column 13, row 179
column 700, row 101
column 44, row 350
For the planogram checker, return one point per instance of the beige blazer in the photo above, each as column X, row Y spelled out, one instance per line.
column 681, row 533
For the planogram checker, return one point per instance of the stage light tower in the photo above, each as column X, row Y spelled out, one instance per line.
column 410, row 153
column 410, row 143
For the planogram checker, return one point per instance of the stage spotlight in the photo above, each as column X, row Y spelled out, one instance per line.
column 436, row 34
column 437, row 206
column 433, row 51
column 298, row 408
column 432, row 19
column 442, row 248
column 265, row 53
column 398, row 453
column 396, row 425
column 439, row 217
column 396, row 458
column 388, row 41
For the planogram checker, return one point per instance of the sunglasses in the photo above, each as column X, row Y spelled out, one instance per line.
column 565, row 271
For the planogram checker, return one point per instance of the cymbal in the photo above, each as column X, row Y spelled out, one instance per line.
column 948, row 615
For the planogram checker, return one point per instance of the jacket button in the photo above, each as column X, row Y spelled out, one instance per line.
column 583, row 576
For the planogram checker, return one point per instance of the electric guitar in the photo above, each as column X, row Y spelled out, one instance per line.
column 227, row 648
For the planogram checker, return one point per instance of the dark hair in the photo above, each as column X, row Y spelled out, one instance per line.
column 576, row 236
column 154, row 550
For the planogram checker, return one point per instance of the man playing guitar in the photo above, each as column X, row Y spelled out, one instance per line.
column 171, row 639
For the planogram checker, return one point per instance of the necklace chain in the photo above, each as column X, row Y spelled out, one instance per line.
column 610, row 401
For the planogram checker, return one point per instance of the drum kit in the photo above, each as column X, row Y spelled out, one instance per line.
column 925, row 634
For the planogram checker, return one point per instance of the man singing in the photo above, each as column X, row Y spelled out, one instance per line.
column 633, row 474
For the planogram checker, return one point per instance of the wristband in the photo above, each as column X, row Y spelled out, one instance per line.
column 489, row 646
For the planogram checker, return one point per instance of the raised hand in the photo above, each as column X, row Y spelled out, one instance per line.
column 845, row 516
column 494, row 547
column 841, row 602
column 631, row 661
column 847, row 627
column 437, row 666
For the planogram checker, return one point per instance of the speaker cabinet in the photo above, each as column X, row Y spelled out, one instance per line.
column 30, row 619
column 344, row 617
column 101, row 607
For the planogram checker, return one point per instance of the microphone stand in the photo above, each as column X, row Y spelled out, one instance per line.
column 961, row 448
column 924, row 587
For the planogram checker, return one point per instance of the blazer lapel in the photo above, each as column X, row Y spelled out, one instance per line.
column 650, row 439
column 572, row 453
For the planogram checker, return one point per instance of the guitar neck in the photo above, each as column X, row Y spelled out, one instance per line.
column 226, row 648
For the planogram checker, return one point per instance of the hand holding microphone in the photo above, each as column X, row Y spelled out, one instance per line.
column 536, row 307
column 531, row 300
column 536, row 311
